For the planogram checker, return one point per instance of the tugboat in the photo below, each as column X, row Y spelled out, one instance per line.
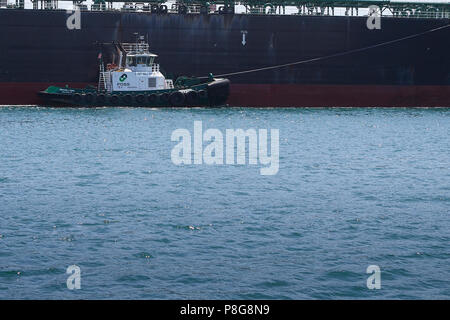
column 136, row 81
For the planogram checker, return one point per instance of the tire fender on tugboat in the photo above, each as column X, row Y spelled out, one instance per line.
column 202, row 94
column 164, row 97
column 191, row 97
column 152, row 98
column 101, row 98
column 177, row 98
column 218, row 91
column 76, row 97
column 89, row 97
column 128, row 98
column 114, row 99
column 140, row 98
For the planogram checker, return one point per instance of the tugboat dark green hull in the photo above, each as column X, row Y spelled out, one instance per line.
column 212, row 93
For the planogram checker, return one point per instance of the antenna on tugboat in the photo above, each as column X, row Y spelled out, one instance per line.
column 136, row 34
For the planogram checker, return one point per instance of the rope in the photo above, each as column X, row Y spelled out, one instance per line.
column 332, row 55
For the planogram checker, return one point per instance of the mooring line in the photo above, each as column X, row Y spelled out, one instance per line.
column 331, row 55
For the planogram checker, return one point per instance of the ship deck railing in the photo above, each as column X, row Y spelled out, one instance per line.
column 432, row 10
column 398, row 12
column 302, row 10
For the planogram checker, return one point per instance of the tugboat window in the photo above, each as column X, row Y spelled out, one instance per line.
column 141, row 60
column 131, row 61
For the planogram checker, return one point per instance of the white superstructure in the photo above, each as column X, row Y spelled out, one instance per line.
column 138, row 73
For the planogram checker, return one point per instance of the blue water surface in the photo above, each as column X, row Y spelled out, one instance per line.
column 97, row 188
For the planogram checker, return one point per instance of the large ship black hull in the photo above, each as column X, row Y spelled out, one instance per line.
column 38, row 50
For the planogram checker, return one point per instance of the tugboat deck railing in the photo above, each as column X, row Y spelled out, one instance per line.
column 169, row 84
column 138, row 47
column 155, row 68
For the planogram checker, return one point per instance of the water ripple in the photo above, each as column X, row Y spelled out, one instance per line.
column 97, row 188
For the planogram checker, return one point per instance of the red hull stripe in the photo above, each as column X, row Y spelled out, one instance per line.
column 282, row 95
column 292, row 95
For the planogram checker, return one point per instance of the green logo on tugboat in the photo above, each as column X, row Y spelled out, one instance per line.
column 123, row 77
